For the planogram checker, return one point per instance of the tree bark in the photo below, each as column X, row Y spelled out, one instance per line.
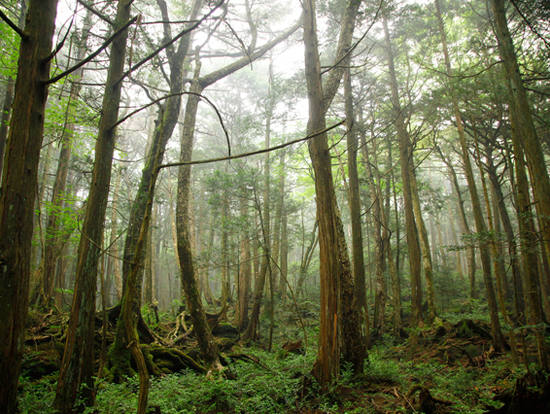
column 425, row 246
column 341, row 323
column 76, row 370
column 354, row 201
column 405, row 155
column 17, row 197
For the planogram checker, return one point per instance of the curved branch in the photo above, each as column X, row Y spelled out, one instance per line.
column 248, row 154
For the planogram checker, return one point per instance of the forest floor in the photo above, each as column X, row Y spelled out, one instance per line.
column 452, row 368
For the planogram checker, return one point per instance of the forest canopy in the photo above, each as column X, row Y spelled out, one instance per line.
column 286, row 206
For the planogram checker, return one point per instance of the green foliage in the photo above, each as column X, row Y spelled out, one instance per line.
column 37, row 397
column 382, row 370
column 268, row 389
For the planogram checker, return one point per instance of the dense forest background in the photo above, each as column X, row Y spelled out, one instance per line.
column 284, row 206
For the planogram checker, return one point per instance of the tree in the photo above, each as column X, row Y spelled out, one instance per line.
column 340, row 317
column 142, row 204
column 20, row 175
column 405, row 160
column 76, row 370
column 354, row 199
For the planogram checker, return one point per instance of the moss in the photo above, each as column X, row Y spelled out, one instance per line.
column 119, row 363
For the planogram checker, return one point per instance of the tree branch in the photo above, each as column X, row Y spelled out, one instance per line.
column 94, row 11
column 93, row 55
column 168, row 43
column 11, row 24
column 248, row 154
column 120, row 121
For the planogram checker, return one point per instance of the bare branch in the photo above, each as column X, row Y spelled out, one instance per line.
column 93, row 55
column 352, row 48
column 94, row 11
column 248, row 154
column 62, row 42
column 168, row 43
column 11, row 24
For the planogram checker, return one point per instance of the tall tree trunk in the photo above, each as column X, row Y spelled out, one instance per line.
column 77, row 366
column 251, row 332
column 225, row 252
column 498, row 340
column 341, row 322
column 470, row 251
column 120, row 351
column 379, row 247
column 284, row 254
column 17, row 198
column 529, row 241
column 498, row 265
column 207, row 345
column 405, row 159
column 354, row 201
column 425, row 246
column 279, row 205
column 113, row 264
column 510, row 240
column 148, row 286
column 245, row 271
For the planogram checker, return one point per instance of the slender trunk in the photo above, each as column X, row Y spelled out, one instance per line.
column 470, row 251
column 500, row 272
column 148, row 286
column 510, row 240
column 113, row 266
column 245, row 272
column 207, row 345
column 252, row 329
column 425, row 245
column 225, row 252
column 284, row 255
column 354, row 201
column 529, row 242
column 405, row 156
column 279, row 204
column 379, row 247
column 76, row 372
